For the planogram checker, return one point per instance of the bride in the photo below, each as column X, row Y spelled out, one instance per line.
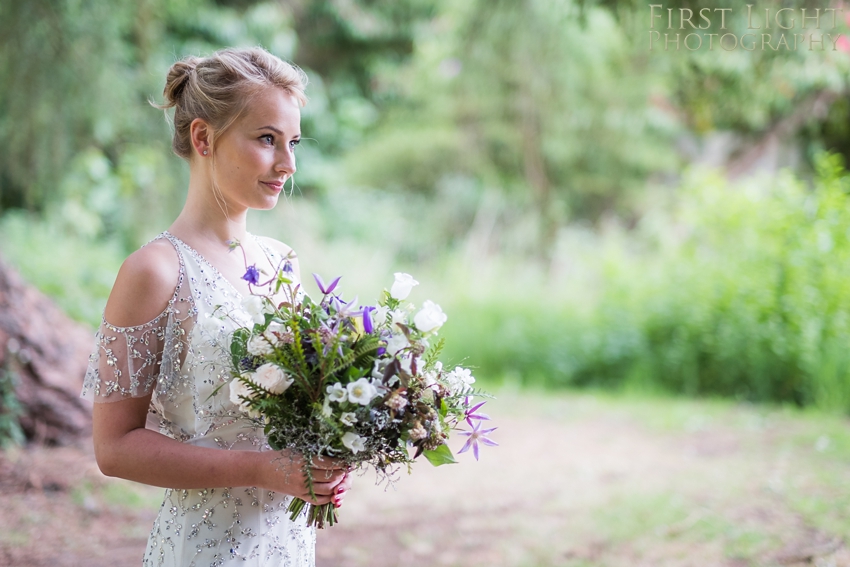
column 159, row 415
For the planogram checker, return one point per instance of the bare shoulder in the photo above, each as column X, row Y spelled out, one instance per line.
column 279, row 246
column 144, row 285
column 285, row 250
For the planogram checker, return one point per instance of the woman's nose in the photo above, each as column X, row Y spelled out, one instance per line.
column 286, row 161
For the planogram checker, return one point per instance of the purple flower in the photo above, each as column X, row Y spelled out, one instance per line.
column 321, row 284
column 471, row 414
column 252, row 275
column 367, row 319
column 287, row 267
column 477, row 434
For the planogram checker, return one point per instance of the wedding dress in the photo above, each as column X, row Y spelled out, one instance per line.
column 180, row 357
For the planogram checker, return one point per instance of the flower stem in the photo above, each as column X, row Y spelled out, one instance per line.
column 317, row 516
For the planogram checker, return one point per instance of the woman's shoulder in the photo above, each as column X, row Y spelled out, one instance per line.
column 284, row 250
column 146, row 283
column 278, row 246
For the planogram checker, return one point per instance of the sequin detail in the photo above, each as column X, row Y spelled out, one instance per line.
column 176, row 358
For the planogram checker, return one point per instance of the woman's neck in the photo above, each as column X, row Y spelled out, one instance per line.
column 209, row 219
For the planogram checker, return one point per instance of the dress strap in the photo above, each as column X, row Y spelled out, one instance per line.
column 180, row 260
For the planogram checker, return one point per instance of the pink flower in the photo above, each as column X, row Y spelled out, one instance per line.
column 477, row 434
column 472, row 413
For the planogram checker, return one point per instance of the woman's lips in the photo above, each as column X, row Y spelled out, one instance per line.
column 277, row 186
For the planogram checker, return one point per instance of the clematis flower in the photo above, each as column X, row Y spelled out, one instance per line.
column 326, row 290
column 353, row 442
column 475, row 436
column 361, row 392
column 337, row 393
column 345, row 309
column 252, row 275
column 471, row 414
column 402, row 285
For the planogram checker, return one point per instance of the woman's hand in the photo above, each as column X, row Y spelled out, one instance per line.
column 285, row 474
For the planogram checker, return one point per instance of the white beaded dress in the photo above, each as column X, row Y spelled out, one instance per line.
column 179, row 357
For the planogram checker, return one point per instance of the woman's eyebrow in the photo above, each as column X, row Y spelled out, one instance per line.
column 272, row 128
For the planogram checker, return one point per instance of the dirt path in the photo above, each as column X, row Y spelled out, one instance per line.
column 577, row 480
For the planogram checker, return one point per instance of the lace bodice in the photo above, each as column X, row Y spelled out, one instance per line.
column 180, row 359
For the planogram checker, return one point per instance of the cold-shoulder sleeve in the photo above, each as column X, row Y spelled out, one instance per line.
column 132, row 362
column 128, row 362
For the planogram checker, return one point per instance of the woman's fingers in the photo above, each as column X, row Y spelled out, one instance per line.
column 328, row 475
column 326, row 488
column 328, row 463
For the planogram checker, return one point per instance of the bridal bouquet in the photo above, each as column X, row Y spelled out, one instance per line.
column 359, row 384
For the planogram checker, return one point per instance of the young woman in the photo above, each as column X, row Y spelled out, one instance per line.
column 158, row 417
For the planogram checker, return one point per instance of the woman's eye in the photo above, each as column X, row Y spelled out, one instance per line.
column 268, row 138
column 294, row 143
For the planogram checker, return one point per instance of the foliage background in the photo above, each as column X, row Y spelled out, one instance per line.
column 587, row 211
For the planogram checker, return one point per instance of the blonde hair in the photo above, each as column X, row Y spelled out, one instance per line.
column 220, row 87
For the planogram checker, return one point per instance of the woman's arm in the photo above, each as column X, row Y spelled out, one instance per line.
column 125, row 449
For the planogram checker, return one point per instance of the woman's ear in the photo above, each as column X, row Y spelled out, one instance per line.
column 201, row 135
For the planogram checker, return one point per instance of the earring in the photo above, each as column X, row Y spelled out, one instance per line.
column 205, row 152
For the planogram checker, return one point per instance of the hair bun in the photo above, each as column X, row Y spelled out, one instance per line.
column 178, row 76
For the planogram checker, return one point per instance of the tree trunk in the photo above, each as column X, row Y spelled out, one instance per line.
column 46, row 354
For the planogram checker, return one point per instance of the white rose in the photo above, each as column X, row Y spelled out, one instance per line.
column 402, row 285
column 430, row 317
column 361, row 392
column 353, row 442
column 238, row 391
column 259, row 346
column 272, row 378
column 348, row 418
column 337, row 393
column 256, row 308
column 397, row 342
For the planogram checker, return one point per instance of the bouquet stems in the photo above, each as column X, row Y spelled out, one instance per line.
column 317, row 516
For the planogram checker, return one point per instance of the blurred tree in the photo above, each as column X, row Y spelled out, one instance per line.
column 770, row 92
column 546, row 107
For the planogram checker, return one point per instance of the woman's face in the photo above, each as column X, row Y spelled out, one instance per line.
column 256, row 155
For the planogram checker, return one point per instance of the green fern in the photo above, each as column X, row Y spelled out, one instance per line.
column 433, row 353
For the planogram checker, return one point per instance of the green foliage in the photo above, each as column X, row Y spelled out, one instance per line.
column 741, row 290
column 442, row 455
column 74, row 270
